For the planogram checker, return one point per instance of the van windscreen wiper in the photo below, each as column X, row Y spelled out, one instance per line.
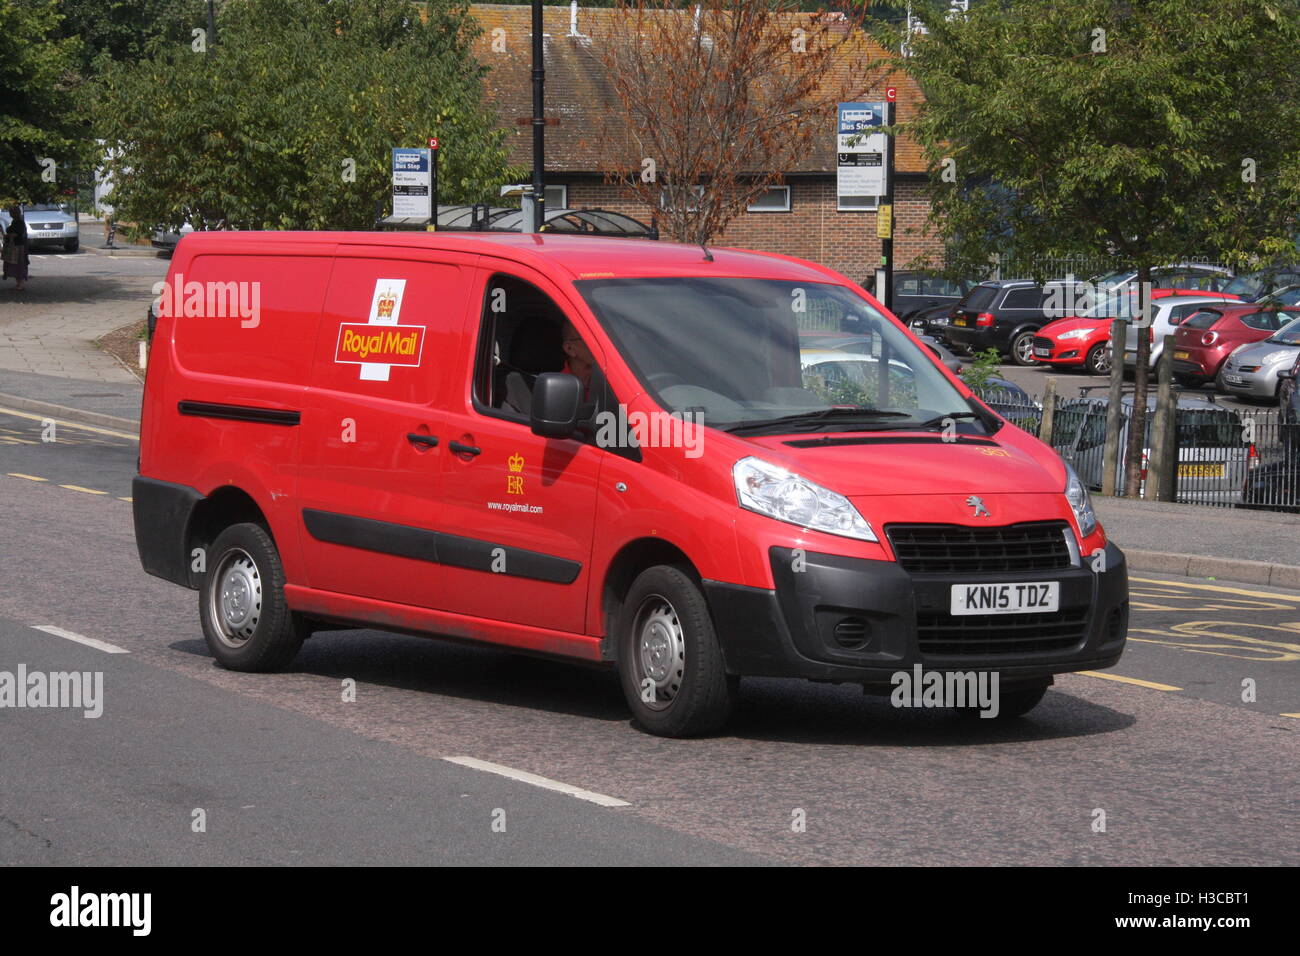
column 813, row 419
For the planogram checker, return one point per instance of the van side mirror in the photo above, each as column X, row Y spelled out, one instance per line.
column 556, row 400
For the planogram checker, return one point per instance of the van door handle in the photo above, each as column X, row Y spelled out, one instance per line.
column 460, row 449
column 416, row 438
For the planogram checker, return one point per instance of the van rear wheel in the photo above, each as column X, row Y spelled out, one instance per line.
column 246, row 621
column 670, row 662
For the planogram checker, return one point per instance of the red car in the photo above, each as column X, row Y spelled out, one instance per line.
column 600, row 450
column 1079, row 341
column 1205, row 340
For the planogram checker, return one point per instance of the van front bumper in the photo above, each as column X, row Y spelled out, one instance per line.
column 862, row 621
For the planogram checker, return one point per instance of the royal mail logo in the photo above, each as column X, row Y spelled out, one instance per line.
column 364, row 344
column 382, row 342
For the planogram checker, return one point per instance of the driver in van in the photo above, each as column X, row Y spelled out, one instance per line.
column 578, row 360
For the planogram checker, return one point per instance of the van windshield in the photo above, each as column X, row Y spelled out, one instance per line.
column 770, row 356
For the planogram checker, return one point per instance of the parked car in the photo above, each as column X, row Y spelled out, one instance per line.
column 1213, row 455
column 1206, row 338
column 1186, row 276
column 918, row 291
column 48, row 227
column 168, row 239
column 1276, row 485
column 1169, row 309
column 1004, row 314
column 1011, row 402
column 1253, row 370
column 1083, row 341
column 1258, row 285
column 859, row 343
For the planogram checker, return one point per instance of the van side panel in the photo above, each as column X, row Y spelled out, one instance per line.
column 227, row 380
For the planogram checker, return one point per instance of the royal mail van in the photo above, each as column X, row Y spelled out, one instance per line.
column 611, row 451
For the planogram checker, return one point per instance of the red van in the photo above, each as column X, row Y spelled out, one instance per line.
column 603, row 450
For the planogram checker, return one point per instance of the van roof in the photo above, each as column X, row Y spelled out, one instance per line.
column 582, row 257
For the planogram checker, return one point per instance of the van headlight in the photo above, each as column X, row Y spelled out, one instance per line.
column 1076, row 493
column 785, row 496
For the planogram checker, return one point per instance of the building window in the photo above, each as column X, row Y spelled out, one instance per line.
column 857, row 203
column 557, row 197
column 696, row 191
column 775, row 199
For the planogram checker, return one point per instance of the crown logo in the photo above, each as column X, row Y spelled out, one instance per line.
column 387, row 302
column 516, row 462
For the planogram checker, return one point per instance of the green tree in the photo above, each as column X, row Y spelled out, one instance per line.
column 38, row 119
column 287, row 120
column 1152, row 130
column 112, row 30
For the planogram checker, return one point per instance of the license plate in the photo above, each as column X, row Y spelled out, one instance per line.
column 1042, row 353
column 1182, row 355
column 1207, row 470
column 958, row 321
column 1020, row 598
column 1233, row 379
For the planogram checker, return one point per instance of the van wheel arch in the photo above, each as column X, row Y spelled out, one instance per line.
column 226, row 506
column 635, row 557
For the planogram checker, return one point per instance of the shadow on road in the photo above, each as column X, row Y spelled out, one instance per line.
column 779, row 711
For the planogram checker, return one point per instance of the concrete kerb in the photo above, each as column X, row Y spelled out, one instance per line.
column 1204, row 566
column 76, row 415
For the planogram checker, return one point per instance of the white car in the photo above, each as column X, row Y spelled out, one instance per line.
column 1167, row 313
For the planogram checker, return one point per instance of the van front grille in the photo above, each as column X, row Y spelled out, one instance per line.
column 956, row 549
column 992, row 634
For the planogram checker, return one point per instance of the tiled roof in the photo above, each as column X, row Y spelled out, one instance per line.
column 577, row 89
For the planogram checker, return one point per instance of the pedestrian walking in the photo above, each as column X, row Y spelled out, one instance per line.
column 15, row 248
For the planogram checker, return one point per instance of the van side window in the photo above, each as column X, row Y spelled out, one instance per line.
column 523, row 334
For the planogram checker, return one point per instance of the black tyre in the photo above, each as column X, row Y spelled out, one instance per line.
column 1190, row 381
column 1022, row 348
column 669, row 660
column 1098, row 360
column 247, row 624
column 1011, row 703
column 72, row 246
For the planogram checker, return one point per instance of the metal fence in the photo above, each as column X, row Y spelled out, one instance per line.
column 1060, row 267
column 1226, row 456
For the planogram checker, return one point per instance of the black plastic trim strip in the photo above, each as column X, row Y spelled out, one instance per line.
column 240, row 413
column 404, row 541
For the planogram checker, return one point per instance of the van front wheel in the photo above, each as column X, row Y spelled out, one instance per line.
column 246, row 621
column 670, row 663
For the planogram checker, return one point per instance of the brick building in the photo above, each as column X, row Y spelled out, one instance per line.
column 801, row 219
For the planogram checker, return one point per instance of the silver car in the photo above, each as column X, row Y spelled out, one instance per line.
column 1252, row 369
column 47, row 226
column 1214, row 457
column 1167, row 313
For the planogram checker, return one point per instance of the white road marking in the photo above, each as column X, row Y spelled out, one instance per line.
column 67, row 424
column 523, row 776
column 99, row 645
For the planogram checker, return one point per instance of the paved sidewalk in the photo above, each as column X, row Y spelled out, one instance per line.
column 50, row 328
column 1260, row 547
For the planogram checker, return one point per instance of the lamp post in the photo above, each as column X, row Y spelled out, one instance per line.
column 539, row 120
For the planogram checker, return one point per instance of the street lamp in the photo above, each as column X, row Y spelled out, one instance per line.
column 539, row 120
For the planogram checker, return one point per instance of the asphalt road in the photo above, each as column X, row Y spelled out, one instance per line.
column 287, row 771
